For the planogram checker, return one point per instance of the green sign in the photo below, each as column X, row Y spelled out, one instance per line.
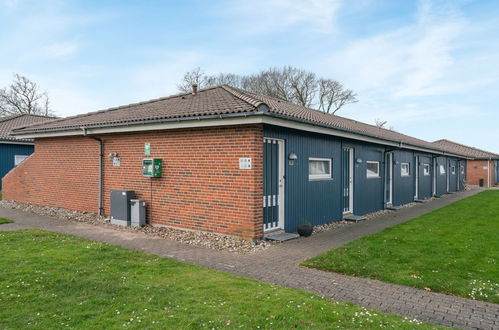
column 147, row 149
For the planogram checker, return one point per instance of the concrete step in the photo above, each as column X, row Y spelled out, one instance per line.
column 280, row 236
column 353, row 217
column 393, row 208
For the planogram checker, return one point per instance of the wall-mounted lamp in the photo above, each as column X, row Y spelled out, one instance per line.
column 359, row 160
column 113, row 155
column 292, row 157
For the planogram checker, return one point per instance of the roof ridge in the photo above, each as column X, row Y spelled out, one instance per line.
column 466, row 146
column 242, row 95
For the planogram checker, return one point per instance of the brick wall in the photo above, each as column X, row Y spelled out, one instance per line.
column 202, row 186
column 477, row 169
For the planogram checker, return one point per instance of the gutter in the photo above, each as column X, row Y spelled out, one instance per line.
column 101, row 156
column 262, row 111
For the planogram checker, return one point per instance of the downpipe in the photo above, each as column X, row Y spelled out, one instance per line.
column 101, row 156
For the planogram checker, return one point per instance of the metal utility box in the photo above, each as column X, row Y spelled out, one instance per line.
column 138, row 212
column 152, row 167
column 120, row 206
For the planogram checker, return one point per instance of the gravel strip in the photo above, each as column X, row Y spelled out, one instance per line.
column 198, row 238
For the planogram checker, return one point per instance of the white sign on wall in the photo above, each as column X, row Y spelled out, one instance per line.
column 245, row 163
column 116, row 161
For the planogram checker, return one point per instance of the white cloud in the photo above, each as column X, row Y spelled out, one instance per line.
column 61, row 49
column 268, row 16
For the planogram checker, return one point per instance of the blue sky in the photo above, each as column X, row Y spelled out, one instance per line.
column 428, row 67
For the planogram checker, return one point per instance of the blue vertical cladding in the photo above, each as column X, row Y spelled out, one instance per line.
column 368, row 193
column 496, row 180
column 441, row 178
column 461, row 181
column 316, row 201
column 403, row 186
column 452, row 176
column 425, row 182
column 7, row 153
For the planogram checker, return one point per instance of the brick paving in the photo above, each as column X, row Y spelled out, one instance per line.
column 280, row 265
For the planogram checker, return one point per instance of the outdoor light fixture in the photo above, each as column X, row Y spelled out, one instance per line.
column 113, row 155
column 292, row 157
column 359, row 160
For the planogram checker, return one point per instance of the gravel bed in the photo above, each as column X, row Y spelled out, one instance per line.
column 198, row 238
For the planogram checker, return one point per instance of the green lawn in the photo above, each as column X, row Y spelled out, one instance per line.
column 50, row 280
column 453, row 250
column 4, row 220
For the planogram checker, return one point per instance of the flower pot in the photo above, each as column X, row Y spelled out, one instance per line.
column 305, row 231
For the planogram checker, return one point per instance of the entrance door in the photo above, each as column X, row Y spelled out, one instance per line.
column 347, row 180
column 416, row 175
column 389, row 177
column 273, row 184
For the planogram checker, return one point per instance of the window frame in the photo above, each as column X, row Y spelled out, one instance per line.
column 402, row 174
column 16, row 157
column 315, row 177
column 372, row 176
column 440, row 168
column 426, row 173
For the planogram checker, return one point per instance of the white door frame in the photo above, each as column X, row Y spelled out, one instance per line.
column 350, row 180
column 389, row 173
column 281, row 190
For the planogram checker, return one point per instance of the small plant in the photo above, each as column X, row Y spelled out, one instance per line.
column 305, row 229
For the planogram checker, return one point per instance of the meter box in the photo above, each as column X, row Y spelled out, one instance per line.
column 152, row 167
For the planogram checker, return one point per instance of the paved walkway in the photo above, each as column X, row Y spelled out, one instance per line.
column 280, row 265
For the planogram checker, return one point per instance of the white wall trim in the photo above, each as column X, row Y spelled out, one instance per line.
column 227, row 121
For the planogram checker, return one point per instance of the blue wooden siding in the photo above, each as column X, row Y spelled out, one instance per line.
column 496, row 181
column 461, row 174
column 316, row 201
column 403, row 186
column 7, row 153
column 425, row 182
column 320, row 201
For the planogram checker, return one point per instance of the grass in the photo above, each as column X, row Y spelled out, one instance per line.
column 453, row 250
column 4, row 220
column 51, row 280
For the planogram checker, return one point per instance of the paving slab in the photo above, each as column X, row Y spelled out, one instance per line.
column 280, row 265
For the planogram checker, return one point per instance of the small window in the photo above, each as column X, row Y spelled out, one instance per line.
column 442, row 169
column 426, row 169
column 372, row 169
column 18, row 159
column 319, row 168
column 453, row 170
column 404, row 169
column 462, row 169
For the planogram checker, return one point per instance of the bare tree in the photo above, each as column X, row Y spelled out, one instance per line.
column 23, row 96
column 382, row 124
column 287, row 83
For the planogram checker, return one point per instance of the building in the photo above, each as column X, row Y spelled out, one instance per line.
column 483, row 167
column 13, row 151
column 233, row 162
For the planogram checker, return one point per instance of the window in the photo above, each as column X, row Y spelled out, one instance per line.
column 319, row 168
column 462, row 169
column 404, row 169
column 442, row 169
column 372, row 169
column 18, row 159
column 453, row 169
column 426, row 169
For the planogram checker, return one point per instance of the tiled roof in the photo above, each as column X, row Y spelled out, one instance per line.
column 221, row 100
column 7, row 124
column 465, row 150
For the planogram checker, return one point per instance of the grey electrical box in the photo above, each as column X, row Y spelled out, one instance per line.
column 138, row 212
column 120, row 206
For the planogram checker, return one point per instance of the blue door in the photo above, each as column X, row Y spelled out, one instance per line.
column 347, row 180
column 273, row 184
